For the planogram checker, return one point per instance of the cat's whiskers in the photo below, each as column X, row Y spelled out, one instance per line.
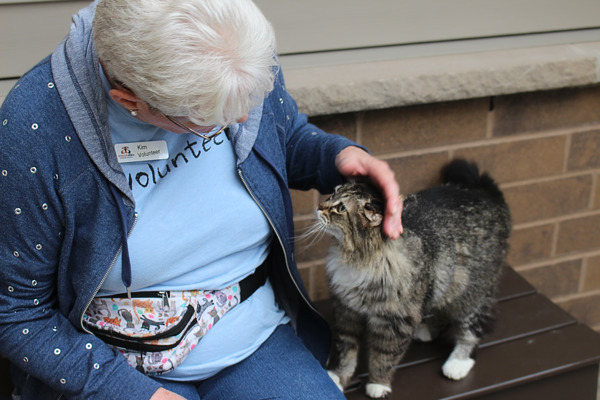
column 312, row 234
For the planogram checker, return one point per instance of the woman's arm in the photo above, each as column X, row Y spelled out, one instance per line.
column 316, row 159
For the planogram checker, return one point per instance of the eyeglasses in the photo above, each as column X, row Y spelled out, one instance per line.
column 174, row 121
column 190, row 130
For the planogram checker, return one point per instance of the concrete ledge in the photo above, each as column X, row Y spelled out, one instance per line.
column 384, row 84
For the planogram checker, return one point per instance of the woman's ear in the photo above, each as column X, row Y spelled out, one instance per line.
column 125, row 98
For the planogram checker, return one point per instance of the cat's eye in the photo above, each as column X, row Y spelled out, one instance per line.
column 341, row 208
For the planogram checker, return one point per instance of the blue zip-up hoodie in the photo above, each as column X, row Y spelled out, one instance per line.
column 66, row 209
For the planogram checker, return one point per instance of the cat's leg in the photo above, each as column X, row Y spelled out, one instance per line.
column 467, row 330
column 467, row 334
column 388, row 340
column 347, row 331
column 458, row 365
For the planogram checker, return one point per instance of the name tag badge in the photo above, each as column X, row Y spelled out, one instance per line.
column 142, row 151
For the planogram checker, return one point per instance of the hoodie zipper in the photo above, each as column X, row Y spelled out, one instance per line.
column 112, row 264
column 287, row 265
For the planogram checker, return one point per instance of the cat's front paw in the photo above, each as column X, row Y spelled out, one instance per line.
column 377, row 390
column 336, row 379
column 457, row 369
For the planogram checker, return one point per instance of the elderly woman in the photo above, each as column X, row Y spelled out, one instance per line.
column 147, row 248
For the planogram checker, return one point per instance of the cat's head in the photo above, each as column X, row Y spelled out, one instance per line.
column 354, row 212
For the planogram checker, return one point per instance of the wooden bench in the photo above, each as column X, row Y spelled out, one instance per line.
column 536, row 351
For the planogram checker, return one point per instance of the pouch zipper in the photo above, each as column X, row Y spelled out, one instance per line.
column 163, row 294
column 140, row 346
column 174, row 331
column 165, row 297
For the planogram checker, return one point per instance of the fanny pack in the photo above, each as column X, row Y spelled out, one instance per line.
column 156, row 330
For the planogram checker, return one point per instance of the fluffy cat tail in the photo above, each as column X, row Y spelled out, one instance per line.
column 463, row 173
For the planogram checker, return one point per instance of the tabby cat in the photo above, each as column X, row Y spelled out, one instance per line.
column 444, row 266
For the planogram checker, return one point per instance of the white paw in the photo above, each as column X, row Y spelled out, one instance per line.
column 423, row 334
column 335, row 379
column 378, row 391
column 457, row 369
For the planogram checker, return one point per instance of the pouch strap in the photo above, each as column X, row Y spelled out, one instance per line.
column 248, row 286
column 252, row 282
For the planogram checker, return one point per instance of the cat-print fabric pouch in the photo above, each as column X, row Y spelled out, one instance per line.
column 155, row 331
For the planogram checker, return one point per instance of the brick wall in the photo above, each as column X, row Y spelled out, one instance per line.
column 544, row 150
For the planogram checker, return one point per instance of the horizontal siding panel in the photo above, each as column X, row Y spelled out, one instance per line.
column 315, row 25
column 31, row 31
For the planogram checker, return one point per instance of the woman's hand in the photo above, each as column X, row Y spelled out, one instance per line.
column 354, row 162
column 164, row 394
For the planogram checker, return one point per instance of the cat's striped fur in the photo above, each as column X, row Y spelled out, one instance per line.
column 445, row 265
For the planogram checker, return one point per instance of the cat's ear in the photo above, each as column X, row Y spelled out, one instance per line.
column 373, row 214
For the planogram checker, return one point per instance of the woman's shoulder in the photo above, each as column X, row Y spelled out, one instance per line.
column 28, row 89
column 280, row 101
column 35, row 129
column 33, row 108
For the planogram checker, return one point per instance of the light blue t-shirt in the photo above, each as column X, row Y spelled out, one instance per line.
column 197, row 228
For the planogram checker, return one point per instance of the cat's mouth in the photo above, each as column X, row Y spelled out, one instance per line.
column 322, row 218
column 326, row 226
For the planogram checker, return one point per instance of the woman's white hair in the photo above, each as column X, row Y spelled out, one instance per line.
column 208, row 60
